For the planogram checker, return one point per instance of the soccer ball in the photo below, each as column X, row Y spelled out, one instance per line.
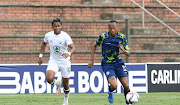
column 132, row 97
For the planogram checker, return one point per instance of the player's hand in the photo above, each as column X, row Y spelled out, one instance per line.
column 65, row 55
column 91, row 63
column 40, row 61
column 125, row 51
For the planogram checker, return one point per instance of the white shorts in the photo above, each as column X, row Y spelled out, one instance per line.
column 64, row 66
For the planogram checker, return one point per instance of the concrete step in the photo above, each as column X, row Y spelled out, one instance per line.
column 172, row 60
column 33, row 43
column 40, row 27
column 81, row 56
column 60, row 2
column 65, row 12
column 25, row 49
column 41, row 2
column 102, row 2
column 27, row 57
column 82, row 42
column 73, row 12
column 121, row 16
column 74, row 27
column 145, row 31
column 162, row 46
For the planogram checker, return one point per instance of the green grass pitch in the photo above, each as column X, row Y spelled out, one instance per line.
column 88, row 99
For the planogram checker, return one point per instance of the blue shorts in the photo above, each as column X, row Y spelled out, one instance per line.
column 116, row 70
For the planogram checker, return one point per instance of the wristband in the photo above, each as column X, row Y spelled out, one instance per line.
column 40, row 55
column 69, row 53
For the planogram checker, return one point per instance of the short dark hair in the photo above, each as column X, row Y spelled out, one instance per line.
column 56, row 20
column 112, row 21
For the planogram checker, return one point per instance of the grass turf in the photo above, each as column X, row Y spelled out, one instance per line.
column 88, row 99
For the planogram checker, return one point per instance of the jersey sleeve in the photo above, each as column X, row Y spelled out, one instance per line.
column 99, row 41
column 124, row 43
column 68, row 40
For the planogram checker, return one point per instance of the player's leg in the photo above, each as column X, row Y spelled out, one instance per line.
column 65, row 68
column 66, row 90
column 112, row 86
column 110, row 74
column 124, row 82
column 113, row 83
column 52, row 69
column 50, row 75
column 122, row 76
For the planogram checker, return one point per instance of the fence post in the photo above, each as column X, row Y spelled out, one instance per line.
column 127, row 36
column 143, row 13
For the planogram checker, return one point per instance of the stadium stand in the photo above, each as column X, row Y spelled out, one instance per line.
column 23, row 24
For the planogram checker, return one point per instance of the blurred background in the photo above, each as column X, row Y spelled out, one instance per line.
column 23, row 24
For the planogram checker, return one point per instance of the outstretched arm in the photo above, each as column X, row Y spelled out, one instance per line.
column 91, row 62
column 43, row 46
column 127, row 52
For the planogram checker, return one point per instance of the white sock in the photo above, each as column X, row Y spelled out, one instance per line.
column 66, row 96
column 56, row 82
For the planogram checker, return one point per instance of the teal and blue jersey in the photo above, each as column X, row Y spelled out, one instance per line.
column 110, row 47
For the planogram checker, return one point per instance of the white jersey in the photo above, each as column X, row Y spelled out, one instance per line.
column 58, row 44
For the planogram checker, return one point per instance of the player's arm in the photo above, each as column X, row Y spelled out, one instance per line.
column 98, row 42
column 124, row 45
column 72, row 47
column 127, row 52
column 91, row 62
column 43, row 46
column 72, row 50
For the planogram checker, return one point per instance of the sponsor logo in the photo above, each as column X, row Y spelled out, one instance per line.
column 165, row 76
column 56, row 49
column 32, row 79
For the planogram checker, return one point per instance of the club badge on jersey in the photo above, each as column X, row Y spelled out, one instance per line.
column 56, row 50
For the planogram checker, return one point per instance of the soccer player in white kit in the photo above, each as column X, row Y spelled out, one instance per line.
column 59, row 41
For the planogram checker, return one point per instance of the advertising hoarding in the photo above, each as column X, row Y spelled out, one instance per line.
column 163, row 77
column 25, row 79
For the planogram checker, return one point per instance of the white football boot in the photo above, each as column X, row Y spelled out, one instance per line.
column 58, row 88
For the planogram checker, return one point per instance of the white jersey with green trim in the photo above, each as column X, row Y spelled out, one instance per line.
column 58, row 44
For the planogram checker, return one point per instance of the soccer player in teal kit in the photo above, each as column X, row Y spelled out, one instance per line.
column 112, row 64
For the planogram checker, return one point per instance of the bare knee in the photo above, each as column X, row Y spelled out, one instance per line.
column 113, row 85
column 50, row 76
